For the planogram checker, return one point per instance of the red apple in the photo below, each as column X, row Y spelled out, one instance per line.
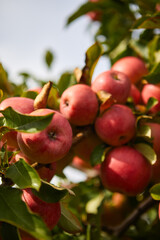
column 135, row 94
column 125, row 170
column 21, row 105
column 85, row 147
column 116, row 126
column 80, row 163
column 133, row 67
column 113, row 82
column 115, row 210
column 49, row 145
column 50, row 212
column 148, row 91
column 79, row 104
column 45, row 172
column 64, row 162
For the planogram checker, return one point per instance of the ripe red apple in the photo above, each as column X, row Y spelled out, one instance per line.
column 133, row 67
column 64, row 162
column 116, row 126
column 135, row 94
column 49, row 145
column 85, row 147
column 50, row 212
column 115, row 210
column 45, row 172
column 113, row 82
column 21, row 105
column 79, row 104
column 125, row 170
column 148, row 91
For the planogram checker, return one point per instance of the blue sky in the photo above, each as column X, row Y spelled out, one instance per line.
column 29, row 28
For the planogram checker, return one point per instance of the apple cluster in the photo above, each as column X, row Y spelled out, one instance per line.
column 111, row 122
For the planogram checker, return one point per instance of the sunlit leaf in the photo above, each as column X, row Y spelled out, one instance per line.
column 66, row 80
column 23, row 175
column 24, row 122
column 147, row 151
column 93, row 54
column 155, row 191
column 98, row 154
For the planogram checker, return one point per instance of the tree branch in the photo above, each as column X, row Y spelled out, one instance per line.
column 131, row 219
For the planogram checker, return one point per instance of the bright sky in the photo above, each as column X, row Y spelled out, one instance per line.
column 29, row 28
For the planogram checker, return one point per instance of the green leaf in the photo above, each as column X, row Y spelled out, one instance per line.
column 92, row 56
column 29, row 94
column 147, row 151
column 23, row 122
column 153, row 48
column 89, row 6
column 23, row 175
column 53, row 98
column 151, row 103
column 9, row 231
column 139, row 48
column 98, row 154
column 148, row 21
column 50, row 193
column 155, row 191
column 68, row 221
column 154, row 75
column 4, row 83
column 66, row 80
column 14, row 211
column 49, row 57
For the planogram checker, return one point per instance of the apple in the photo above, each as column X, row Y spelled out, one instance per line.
column 135, row 94
column 85, row 147
column 94, row 15
column 64, row 162
column 125, row 170
column 116, row 126
column 155, row 134
column 113, row 82
column 79, row 163
column 134, row 67
column 148, row 91
column 50, row 212
column 45, row 172
column 22, row 105
column 79, row 104
column 37, row 90
column 114, row 210
column 49, row 145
